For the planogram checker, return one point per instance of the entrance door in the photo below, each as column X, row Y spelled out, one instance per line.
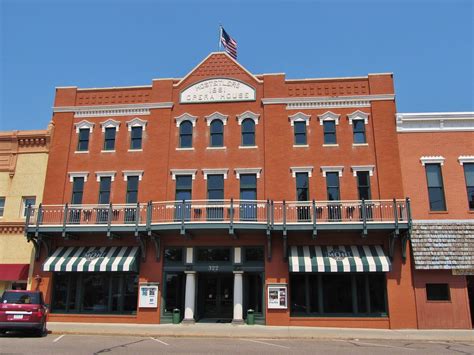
column 470, row 293
column 217, row 295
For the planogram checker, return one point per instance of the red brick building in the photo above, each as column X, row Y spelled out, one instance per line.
column 225, row 191
column 437, row 152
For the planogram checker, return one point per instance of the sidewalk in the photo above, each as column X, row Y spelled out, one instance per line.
column 256, row 331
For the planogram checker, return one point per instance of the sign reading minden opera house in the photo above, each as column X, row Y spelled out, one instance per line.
column 218, row 90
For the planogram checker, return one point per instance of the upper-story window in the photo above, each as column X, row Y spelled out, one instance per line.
column 299, row 121
column 109, row 138
column 83, row 129
column 248, row 186
column 434, row 179
column 359, row 120
column 329, row 121
column 248, row 132
column 329, row 132
column 2, row 206
column 132, row 189
column 136, row 128
column 186, row 134
column 302, row 186
column 83, row 142
column 469, row 176
column 215, row 187
column 363, row 185
column 332, row 182
column 217, row 133
column 104, row 189
column 184, row 187
column 77, row 190
column 28, row 201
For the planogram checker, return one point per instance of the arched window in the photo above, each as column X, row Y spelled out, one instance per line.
column 217, row 133
column 248, row 132
column 186, row 134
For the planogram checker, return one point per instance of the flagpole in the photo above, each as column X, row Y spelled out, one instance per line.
column 219, row 48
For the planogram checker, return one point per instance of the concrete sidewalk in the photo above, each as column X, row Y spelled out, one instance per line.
column 256, row 331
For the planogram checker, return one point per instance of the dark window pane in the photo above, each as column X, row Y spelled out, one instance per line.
column 253, row 292
column 301, row 180
column 436, row 196
column 437, row 292
column 433, row 174
column 329, row 132
column 363, row 185
column 337, row 293
column 136, row 138
column 332, row 181
column 217, row 140
column 173, row 254
column 217, row 126
column 377, row 288
column 300, row 127
column 215, row 182
column 469, row 175
column 435, row 187
column 362, row 287
column 254, row 254
column 213, row 254
column 183, row 195
column 95, row 298
column 313, row 293
column 77, row 190
column 186, row 134
column 104, row 190
column 186, row 127
column 300, row 133
column 184, row 181
column 248, row 181
column 248, row 194
column 132, row 189
column 470, row 197
column 359, row 138
column 298, row 294
column 109, row 138
column 130, row 292
column 83, row 143
column 359, row 131
column 248, row 139
column 174, row 292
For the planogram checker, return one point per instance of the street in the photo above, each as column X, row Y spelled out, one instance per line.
column 16, row 343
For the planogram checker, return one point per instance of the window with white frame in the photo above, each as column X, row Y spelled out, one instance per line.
column 359, row 120
column 299, row 121
column 216, row 123
column 329, row 120
column 136, row 127
column 27, row 201
column 109, row 128
column 83, row 130
column 185, row 124
column 2, row 206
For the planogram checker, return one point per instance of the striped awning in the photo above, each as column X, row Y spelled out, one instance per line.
column 93, row 259
column 322, row 258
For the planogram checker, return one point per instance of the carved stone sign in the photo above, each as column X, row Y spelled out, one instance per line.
column 218, row 90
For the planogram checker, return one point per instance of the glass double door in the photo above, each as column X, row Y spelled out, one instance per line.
column 216, row 296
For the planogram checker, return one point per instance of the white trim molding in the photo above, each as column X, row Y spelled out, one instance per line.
column 112, row 110
column 127, row 173
column 432, row 160
column 100, row 174
column 465, row 159
column 301, row 169
column 329, row 116
column 332, row 169
column 358, row 115
column 185, row 117
column 177, row 172
column 299, row 117
column 223, row 171
column 240, row 171
column 216, row 116
column 322, row 102
column 78, row 174
column 84, row 124
column 136, row 122
column 369, row 168
column 248, row 114
column 110, row 123
column 435, row 122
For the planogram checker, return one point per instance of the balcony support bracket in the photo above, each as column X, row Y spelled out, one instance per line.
column 41, row 241
column 391, row 245
column 142, row 244
column 155, row 238
column 269, row 247
column 112, row 236
column 405, row 239
column 69, row 236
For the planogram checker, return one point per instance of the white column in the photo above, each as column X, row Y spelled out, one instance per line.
column 238, row 298
column 189, row 299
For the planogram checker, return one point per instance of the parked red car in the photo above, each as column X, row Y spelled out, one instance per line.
column 23, row 310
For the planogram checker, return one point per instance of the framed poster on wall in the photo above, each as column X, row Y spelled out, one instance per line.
column 148, row 295
column 277, row 296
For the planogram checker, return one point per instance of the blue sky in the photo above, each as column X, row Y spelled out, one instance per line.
column 428, row 45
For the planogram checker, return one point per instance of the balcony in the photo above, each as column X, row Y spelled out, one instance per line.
column 230, row 214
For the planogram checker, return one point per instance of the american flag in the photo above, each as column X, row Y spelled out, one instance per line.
column 230, row 45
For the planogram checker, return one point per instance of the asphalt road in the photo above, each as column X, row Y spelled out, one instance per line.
column 16, row 343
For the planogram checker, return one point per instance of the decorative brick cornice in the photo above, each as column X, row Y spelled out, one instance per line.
column 112, row 110
column 12, row 227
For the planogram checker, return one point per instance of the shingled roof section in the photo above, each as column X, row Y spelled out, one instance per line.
column 443, row 245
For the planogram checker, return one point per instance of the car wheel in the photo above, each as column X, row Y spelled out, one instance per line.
column 2, row 331
column 42, row 332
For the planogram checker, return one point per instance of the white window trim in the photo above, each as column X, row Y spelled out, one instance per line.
column 299, row 117
column 432, row 160
column 332, row 169
column 464, row 159
column 110, row 124
column 358, row 115
column 248, row 114
column 127, row 173
column 136, row 122
column 240, row 171
column 100, row 174
column 248, row 146
column 23, row 204
column 301, row 169
column 216, row 116
column 368, row 168
column 215, row 172
column 185, row 117
column 329, row 116
column 78, row 174
column 84, row 125
column 177, row 172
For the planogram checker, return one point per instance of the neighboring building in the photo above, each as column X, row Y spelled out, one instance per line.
column 437, row 156
column 225, row 191
column 23, row 161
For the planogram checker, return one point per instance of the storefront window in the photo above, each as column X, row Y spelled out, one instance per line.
column 174, row 291
column 254, row 254
column 174, row 255
column 328, row 294
column 95, row 293
column 213, row 254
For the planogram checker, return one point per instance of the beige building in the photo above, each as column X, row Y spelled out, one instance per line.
column 23, row 161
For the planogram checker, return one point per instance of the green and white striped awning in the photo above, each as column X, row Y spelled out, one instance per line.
column 323, row 258
column 93, row 259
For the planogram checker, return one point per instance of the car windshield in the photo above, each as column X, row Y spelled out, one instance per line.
column 20, row 297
